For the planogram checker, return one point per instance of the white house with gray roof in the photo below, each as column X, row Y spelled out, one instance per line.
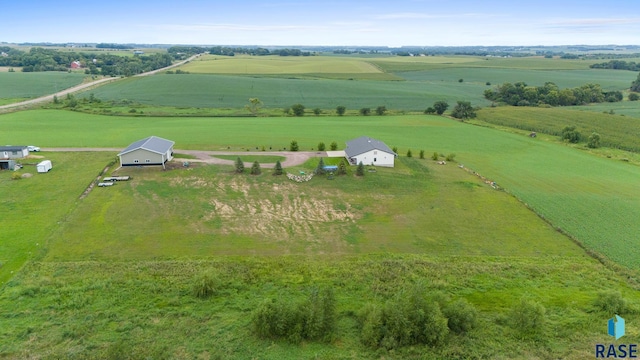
column 150, row 151
column 370, row 152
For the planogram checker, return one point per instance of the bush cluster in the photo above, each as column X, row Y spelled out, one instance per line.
column 311, row 319
column 413, row 319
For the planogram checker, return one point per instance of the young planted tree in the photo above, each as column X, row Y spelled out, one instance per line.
column 434, row 156
column 320, row 168
column 340, row 110
column 255, row 168
column 321, row 146
column 294, row 146
column 409, row 154
column 360, row 169
column 334, row 146
column 277, row 169
column 342, row 167
column 421, row 154
column 239, row 166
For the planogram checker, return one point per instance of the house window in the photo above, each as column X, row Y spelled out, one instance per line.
column 136, row 161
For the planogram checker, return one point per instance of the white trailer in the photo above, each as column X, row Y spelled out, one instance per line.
column 44, row 166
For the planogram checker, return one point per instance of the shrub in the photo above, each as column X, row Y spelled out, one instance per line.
column 528, row 318
column 461, row 316
column 634, row 97
column 421, row 154
column 409, row 154
column 570, row 134
column 16, row 176
column 340, row 110
column 333, row 146
column 463, row 110
column 277, row 169
column 434, row 156
column 294, row 146
column 395, row 149
column 205, row 285
column 430, row 110
column 255, row 168
column 321, row 146
column 317, row 111
column 611, row 302
column 380, row 110
column 450, row 157
column 360, row 169
column 594, row 140
column 460, row 80
column 440, row 107
column 298, row 109
column 365, row 111
column 239, row 166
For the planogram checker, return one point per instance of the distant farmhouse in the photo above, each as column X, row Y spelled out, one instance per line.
column 76, row 64
column 370, row 152
column 150, row 151
column 13, row 152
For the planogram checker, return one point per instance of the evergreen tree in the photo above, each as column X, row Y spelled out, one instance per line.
column 342, row 168
column 360, row 169
column 255, row 168
column 320, row 168
column 277, row 170
column 239, row 166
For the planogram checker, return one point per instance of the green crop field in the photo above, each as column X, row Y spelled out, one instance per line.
column 616, row 131
column 19, row 86
column 280, row 65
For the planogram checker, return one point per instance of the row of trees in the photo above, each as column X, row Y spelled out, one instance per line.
column 41, row 59
column 463, row 109
column 186, row 51
column 520, row 94
column 617, row 65
column 635, row 85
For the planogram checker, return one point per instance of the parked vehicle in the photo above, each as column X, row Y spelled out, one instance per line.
column 33, row 148
column 44, row 166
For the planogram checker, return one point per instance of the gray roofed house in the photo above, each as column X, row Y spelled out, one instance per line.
column 150, row 151
column 369, row 152
column 13, row 152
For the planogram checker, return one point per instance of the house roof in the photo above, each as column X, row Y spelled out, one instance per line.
column 152, row 143
column 364, row 144
column 12, row 148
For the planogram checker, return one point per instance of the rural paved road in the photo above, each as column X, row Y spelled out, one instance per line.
column 84, row 86
column 292, row 158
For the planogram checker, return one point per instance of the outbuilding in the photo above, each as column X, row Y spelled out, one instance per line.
column 149, row 151
column 369, row 152
column 13, row 152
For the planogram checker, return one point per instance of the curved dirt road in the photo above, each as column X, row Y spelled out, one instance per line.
column 292, row 158
column 80, row 87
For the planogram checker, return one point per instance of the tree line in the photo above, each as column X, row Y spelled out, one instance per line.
column 40, row 59
column 186, row 51
column 520, row 94
column 617, row 65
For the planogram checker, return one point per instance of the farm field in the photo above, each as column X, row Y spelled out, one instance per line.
column 616, row 131
column 399, row 83
column 100, row 288
column 17, row 86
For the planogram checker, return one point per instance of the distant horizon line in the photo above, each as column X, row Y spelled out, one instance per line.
column 311, row 45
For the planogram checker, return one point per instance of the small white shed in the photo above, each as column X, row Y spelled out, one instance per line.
column 44, row 166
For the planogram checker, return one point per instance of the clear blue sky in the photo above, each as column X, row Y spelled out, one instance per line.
column 324, row 22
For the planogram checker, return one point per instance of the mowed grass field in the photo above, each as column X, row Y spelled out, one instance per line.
column 569, row 187
column 18, row 86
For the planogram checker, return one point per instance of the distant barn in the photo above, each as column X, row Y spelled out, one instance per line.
column 150, row 151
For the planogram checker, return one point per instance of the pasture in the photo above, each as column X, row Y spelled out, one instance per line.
column 17, row 86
